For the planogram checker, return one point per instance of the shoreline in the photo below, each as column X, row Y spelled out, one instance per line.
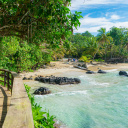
column 61, row 67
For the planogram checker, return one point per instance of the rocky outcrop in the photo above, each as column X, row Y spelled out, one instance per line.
column 123, row 73
column 25, row 78
column 101, row 71
column 42, row 91
column 58, row 80
column 90, row 72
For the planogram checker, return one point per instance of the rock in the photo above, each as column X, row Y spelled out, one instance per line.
column 30, row 78
column 101, row 71
column 42, row 91
column 77, row 80
column 58, row 80
column 84, row 66
column 37, row 78
column 51, row 81
column 25, row 78
column 90, row 72
column 79, row 65
column 123, row 73
column 42, row 79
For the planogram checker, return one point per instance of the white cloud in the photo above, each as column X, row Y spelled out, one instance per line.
column 88, row 21
column 94, row 24
column 81, row 4
column 115, row 17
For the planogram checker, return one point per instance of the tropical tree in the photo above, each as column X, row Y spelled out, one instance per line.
column 87, row 34
column 58, row 52
column 34, row 20
column 79, row 42
column 70, row 49
column 104, row 39
column 92, row 47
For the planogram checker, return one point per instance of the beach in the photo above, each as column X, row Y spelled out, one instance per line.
column 100, row 100
column 61, row 67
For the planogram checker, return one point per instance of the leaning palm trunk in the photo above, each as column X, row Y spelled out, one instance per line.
column 105, row 53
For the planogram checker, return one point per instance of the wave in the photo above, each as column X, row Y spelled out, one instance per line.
column 112, row 70
column 70, row 93
column 97, row 83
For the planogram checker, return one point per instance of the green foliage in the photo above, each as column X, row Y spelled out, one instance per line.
column 17, row 56
column 99, row 60
column 41, row 119
column 87, row 34
column 85, row 59
column 119, row 35
column 37, row 20
column 106, row 45
column 34, row 32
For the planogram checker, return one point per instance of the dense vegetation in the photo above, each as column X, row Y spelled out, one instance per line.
column 106, row 45
column 35, row 32
column 32, row 33
column 41, row 119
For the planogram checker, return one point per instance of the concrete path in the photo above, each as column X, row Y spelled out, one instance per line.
column 5, row 97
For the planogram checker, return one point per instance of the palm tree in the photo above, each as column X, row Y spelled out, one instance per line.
column 104, row 39
column 70, row 49
column 58, row 53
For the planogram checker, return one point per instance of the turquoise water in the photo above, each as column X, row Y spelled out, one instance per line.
column 100, row 101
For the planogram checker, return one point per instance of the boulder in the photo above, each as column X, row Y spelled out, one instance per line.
column 25, row 78
column 30, row 78
column 84, row 66
column 77, row 80
column 58, row 80
column 101, row 71
column 37, row 78
column 90, row 72
column 42, row 91
column 123, row 73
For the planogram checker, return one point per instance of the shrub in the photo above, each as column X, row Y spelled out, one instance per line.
column 41, row 119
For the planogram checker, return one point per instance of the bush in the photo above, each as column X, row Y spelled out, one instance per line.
column 99, row 60
column 17, row 56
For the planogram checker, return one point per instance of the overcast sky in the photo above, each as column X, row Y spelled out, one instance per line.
column 100, row 13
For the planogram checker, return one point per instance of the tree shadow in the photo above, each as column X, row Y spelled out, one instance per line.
column 4, row 109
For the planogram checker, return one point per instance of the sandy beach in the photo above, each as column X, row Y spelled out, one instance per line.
column 61, row 67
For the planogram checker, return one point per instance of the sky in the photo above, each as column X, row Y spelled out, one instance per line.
column 100, row 13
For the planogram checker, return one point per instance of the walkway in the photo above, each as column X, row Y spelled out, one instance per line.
column 5, row 97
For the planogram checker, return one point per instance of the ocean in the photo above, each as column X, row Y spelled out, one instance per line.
column 99, row 101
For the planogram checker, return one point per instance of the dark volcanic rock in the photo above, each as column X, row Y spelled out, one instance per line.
column 25, row 78
column 123, row 73
column 84, row 66
column 90, row 72
column 30, row 78
column 37, row 78
column 77, row 80
column 58, row 80
column 42, row 91
column 101, row 71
